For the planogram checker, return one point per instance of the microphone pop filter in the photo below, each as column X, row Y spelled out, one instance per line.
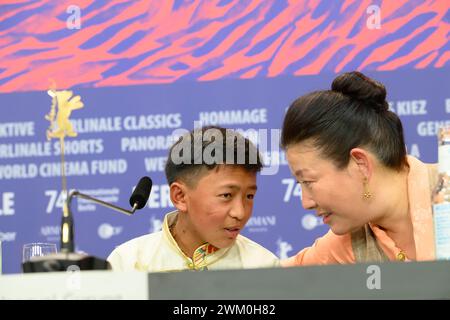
column 141, row 192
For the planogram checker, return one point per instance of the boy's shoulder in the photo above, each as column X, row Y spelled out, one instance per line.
column 137, row 244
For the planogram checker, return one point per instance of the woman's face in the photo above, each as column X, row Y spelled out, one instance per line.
column 335, row 194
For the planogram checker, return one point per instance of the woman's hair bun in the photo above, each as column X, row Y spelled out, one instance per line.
column 359, row 87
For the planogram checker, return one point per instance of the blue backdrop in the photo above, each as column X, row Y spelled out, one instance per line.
column 133, row 105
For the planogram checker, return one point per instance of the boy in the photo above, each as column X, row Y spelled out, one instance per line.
column 212, row 177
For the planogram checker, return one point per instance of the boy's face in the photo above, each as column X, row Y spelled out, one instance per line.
column 220, row 204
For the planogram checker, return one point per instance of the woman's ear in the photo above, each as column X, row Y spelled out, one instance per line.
column 363, row 160
column 178, row 192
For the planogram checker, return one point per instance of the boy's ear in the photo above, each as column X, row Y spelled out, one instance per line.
column 178, row 195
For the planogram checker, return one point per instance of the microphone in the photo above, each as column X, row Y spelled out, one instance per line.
column 67, row 257
column 141, row 193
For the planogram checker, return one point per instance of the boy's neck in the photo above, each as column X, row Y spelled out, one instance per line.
column 183, row 237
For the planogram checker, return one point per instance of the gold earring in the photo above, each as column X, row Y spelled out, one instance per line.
column 366, row 194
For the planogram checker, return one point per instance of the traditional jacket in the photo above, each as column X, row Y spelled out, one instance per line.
column 159, row 252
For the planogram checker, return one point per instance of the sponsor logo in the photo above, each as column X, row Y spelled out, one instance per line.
column 310, row 221
column 106, row 231
column 51, row 233
column 283, row 249
column 261, row 223
column 7, row 236
column 110, row 195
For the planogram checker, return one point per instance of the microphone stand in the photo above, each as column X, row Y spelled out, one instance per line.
column 67, row 243
column 67, row 259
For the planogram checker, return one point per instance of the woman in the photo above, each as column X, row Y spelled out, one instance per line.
column 347, row 151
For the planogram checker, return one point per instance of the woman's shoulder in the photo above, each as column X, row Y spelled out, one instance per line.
column 413, row 161
column 419, row 170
